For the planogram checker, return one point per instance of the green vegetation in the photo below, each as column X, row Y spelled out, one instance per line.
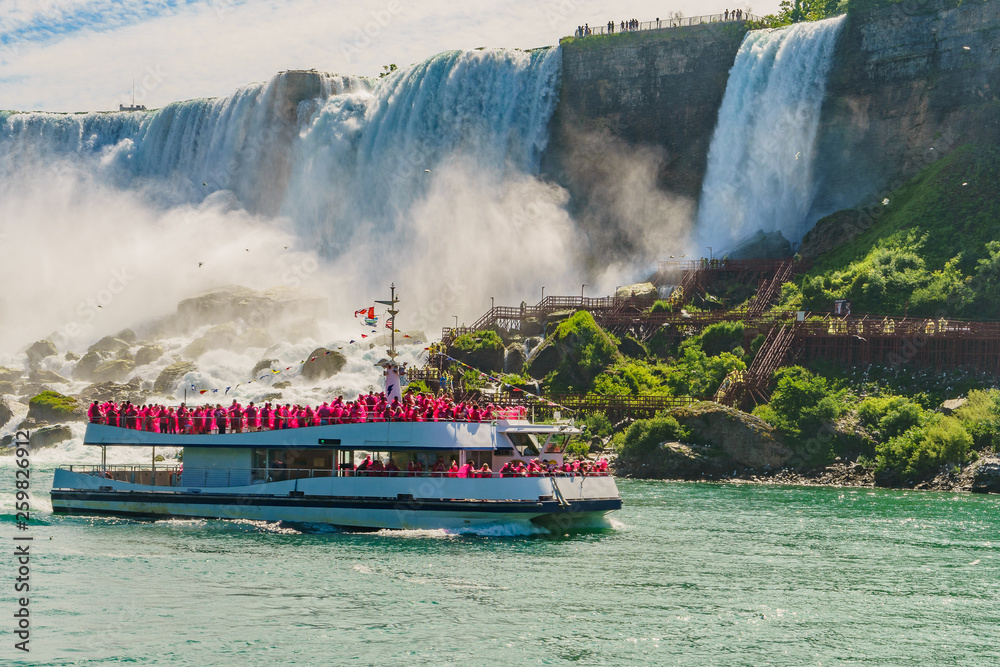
column 585, row 350
column 53, row 404
column 632, row 376
column 418, row 387
column 930, row 248
column 642, row 438
column 486, row 339
column 796, row 11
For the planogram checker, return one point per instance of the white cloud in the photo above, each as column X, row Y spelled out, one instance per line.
column 215, row 46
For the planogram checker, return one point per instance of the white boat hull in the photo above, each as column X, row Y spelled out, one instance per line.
column 354, row 502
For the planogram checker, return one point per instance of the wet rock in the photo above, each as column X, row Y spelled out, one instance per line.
column 986, row 478
column 112, row 391
column 51, row 377
column 281, row 385
column 745, row 440
column 72, row 356
column 49, row 436
column 109, row 344
column 128, row 336
column 630, row 347
column 196, row 348
column 514, row 360
column 40, row 350
column 51, row 407
column 271, row 397
column 532, row 326
column 84, row 369
column 253, row 337
column 234, row 303
column 7, row 388
column 262, row 365
column 147, row 354
column 323, row 363
column 637, row 290
column 6, row 414
column 114, row 370
column 166, row 382
column 125, row 354
column 10, row 374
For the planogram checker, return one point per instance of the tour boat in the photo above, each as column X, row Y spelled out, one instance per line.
column 308, row 475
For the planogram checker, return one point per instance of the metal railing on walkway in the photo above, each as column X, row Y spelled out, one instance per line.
column 667, row 23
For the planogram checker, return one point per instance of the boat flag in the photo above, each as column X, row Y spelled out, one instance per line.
column 388, row 323
column 203, row 391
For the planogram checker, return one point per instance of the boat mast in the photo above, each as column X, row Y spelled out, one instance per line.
column 392, row 329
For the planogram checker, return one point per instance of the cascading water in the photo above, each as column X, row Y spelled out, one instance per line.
column 427, row 177
column 760, row 164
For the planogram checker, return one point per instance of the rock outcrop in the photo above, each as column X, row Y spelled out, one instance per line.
column 986, row 478
column 147, row 354
column 166, row 381
column 743, row 439
column 113, row 370
column 51, row 407
column 323, row 363
column 40, row 350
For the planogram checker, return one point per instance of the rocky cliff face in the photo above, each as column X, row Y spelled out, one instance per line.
column 909, row 84
column 636, row 114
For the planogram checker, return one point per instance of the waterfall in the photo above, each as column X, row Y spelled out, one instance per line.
column 761, row 159
column 305, row 179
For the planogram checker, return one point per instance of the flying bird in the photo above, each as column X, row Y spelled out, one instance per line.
column 199, row 264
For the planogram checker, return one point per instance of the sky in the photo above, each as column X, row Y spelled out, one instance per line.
column 83, row 55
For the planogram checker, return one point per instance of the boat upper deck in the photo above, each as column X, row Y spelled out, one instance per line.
column 384, row 436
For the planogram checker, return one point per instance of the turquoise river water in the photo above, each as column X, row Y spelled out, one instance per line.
column 685, row 574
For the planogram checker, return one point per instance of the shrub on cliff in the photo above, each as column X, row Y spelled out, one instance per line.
column 483, row 350
column 583, row 350
column 631, row 376
column 803, row 408
column 697, row 374
column 921, row 451
column 642, row 438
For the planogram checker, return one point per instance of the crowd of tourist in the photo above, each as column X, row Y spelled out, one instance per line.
column 633, row 25
column 237, row 418
column 515, row 468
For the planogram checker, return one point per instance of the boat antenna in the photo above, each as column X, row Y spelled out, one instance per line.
column 392, row 328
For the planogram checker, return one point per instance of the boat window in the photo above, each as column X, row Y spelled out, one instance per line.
column 556, row 444
column 526, row 443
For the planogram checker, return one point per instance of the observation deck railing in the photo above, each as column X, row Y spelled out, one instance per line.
column 676, row 22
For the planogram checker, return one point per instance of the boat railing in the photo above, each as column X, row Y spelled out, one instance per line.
column 176, row 475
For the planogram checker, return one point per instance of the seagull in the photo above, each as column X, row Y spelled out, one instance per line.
column 199, row 264
column 427, row 171
column 205, row 184
column 247, row 249
column 286, row 247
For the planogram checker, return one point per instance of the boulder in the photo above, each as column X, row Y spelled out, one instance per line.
column 532, row 326
column 84, row 369
column 125, row 354
column 7, row 388
column 71, row 356
column 147, row 354
column 49, row 436
column 112, row 391
column 166, row 381
column 263, row 364
column 631, row 347
column 114, row 370
column 109, row 344
column 233, row 303
column 281, row 385
column 948, row 407
column 986, row 478
column 672, row 460
column 323, row 363
column 196, row 348
column 40, row 350
column 39, row 375
column 252, row 337
column 638, row 290
column 740, row 438
column 514, row 359
column 51, row 407
column 6, row 414
column 10, row 374
column 128, row 336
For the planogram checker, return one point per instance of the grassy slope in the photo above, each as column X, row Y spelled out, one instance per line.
column 955, row 217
